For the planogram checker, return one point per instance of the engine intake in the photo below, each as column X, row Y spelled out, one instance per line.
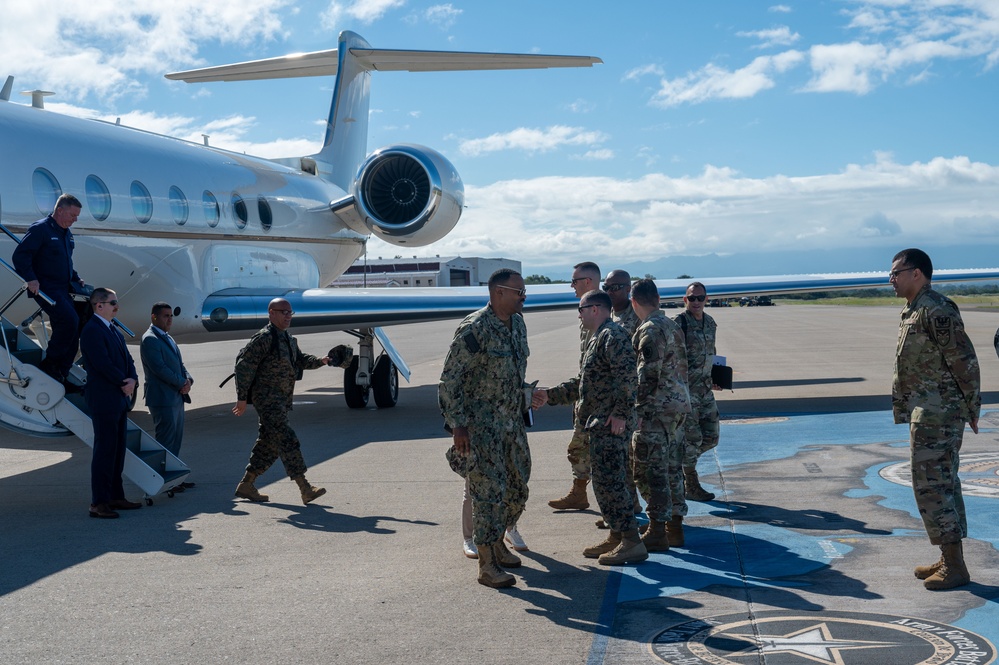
column 408, row 195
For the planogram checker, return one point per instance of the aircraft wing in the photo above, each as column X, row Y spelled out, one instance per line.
column 234, row 310
column 325, row 63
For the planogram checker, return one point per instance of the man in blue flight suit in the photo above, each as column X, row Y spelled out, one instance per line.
column 44, row 258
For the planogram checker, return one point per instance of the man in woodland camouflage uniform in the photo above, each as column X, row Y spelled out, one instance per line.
column 482, row 396
column 265, row 376
column 661, row 404
column 585, row 278
column 936, row 389
column 700, row 431
column 605, row 409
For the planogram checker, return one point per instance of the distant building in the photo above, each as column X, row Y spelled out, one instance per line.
column 422, row 272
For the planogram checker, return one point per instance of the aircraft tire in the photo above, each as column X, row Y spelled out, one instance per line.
column 356, row 396
column 385, row 382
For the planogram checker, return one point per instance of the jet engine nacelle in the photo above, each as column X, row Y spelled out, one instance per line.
column 404, row 194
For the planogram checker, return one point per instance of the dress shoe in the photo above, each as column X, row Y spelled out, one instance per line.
column 186, row 485
column 124, row 504
column 178, row 488
column 102, row 511
column 469, row 549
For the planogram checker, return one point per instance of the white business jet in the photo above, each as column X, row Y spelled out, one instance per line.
column 219, row 234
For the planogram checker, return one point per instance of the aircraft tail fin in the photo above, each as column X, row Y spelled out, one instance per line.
column 5, row 92
column 345, row 143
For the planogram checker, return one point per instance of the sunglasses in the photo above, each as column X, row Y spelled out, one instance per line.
column 611, row 288
column 520, row 292
column 582, row 307
column 697, row 298
column 109, row 302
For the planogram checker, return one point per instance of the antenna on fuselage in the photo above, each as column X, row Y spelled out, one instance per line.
column 5, row 93
column 37, row 97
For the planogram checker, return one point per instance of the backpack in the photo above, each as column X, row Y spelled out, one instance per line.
column 242, row 352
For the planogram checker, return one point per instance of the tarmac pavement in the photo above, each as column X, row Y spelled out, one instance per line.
column 805, row 556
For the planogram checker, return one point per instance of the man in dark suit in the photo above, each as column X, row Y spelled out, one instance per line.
column 167, row 381
column 111, row 380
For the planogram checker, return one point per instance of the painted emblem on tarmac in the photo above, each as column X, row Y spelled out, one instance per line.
column 840, row 638
column 979, row 474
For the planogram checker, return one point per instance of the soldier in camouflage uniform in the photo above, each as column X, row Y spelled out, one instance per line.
column 265, row 376
column 617, row 285
column 605, row 409
column 661, row 404
column 585, row 278
column 482, row 397
column 936, row 389
column 701, row 426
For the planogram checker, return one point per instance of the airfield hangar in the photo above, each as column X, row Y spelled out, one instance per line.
column 422, row 272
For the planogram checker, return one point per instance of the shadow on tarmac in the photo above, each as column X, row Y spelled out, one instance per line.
column 806, row 518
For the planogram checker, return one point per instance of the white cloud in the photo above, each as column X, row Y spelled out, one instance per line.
column 714, row 82
column 102, row 47
column 893, row 39
column 778, row 36
column 532, row 140
column 644, row 70
column 362, row 11
column 779, row 9
column 444, row 16
column 596, row 155
column 720, row 211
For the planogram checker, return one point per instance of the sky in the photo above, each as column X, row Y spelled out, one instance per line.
column 718, row 138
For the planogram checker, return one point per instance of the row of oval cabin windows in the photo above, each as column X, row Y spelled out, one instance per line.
column 47, row 189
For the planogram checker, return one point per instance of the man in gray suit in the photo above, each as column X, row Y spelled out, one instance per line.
column 167, row 381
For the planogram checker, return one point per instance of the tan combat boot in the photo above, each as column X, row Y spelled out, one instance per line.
column 953, row 572
column 675, row 530
column 613, row 540
column 503, row 556
column 309, row 492
column 575, row 499
column 656, row 538
column 631, row 550
column 246, row 490
column 922, row 572
column 692, row 486
column 489, row 573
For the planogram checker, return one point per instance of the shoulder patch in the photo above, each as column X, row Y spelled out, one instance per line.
column 471, row 343
column 650, row 353
column 942, row 328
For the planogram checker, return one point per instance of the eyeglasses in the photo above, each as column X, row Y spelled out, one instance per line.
column 109, row 302
column 697, row 298
column 611, row 288
column 892, row 274
column 520, row 292
column 582, row 307
column 577, row 279
column 284, row 312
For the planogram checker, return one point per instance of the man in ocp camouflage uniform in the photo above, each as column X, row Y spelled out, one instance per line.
column 482, row 397
column 700, row 430
column 661, row 404
column 604, row 393
column 585, row 278
column 265, row 376
column 936, row 389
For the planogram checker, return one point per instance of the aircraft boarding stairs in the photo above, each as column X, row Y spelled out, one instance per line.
column 35, row 404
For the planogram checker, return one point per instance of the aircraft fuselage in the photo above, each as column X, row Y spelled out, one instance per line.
column 167, row 219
